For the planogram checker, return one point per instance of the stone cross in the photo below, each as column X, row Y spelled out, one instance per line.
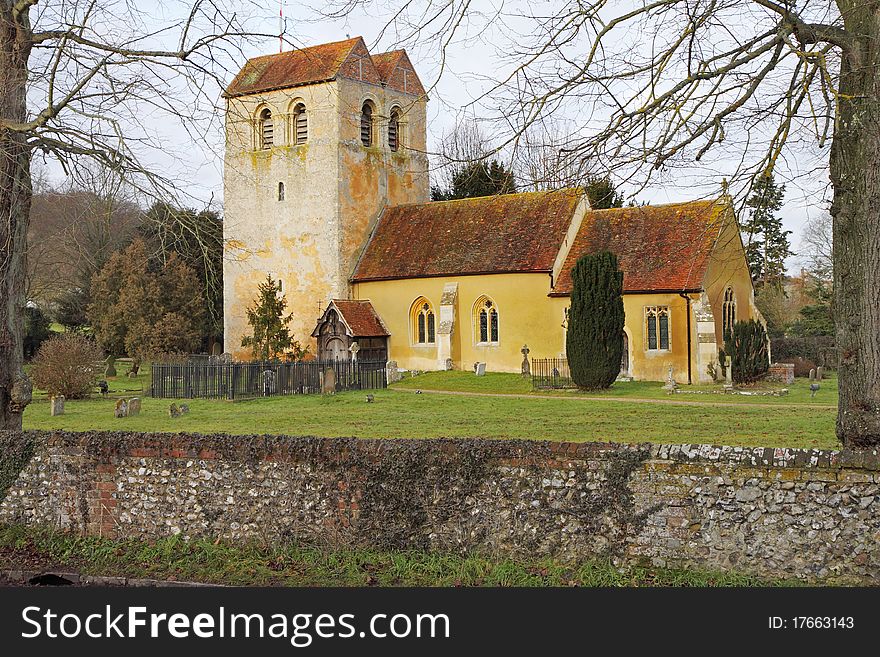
column 671, row 385
column 354, row 349
column 728, row 373
column 526, row 366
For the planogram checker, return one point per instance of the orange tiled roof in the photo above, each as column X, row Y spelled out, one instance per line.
column 361, row 318
column 658, row 247
column 485, row 235
column 349, row 59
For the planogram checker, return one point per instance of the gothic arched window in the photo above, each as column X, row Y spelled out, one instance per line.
column 267, row 129
column 281, row 191
column 367, row 124
column 728, row 313
column 486, row 321
column 300, row 124
column 657, row 327
column 394, row 136
column 424, row 322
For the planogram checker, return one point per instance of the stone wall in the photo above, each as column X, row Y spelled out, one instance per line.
column 775, row 512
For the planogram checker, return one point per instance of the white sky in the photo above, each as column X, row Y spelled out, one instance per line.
column 473, row 61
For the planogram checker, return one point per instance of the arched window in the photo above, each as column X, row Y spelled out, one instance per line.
column 267, row 129
column 281, row 191
column 486, row 321
column 367, row 124
column 728, row 313
column 424, row 322
column 657, row 327
column 300, row 124
column 394, row 136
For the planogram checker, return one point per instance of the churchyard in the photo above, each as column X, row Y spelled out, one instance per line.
column 498, row 406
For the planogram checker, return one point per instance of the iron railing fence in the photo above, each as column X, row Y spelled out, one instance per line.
column 210, row 380
column 551, row 373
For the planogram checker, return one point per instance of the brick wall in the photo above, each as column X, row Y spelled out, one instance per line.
column 775, row 512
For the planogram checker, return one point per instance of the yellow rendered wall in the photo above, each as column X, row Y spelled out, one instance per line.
column 526, row 316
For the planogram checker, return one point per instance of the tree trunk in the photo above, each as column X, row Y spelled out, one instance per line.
column 15, row 204
column 855, row 175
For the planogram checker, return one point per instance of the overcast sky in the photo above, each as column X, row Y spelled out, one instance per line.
column 473, row 60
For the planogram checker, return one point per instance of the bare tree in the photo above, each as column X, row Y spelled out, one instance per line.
column 75, row 79
column 730, row 84
column 817, row 245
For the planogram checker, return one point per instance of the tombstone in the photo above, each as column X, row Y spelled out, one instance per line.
column 526, row 366
column 812, row 375
column 134, row 406
column 121, row 409
column 670, row 385
column 225, row 357
column 820, row 373
column 328, row 385
column 217, row 349
column 110, row 369
column 370, row 399
column 480, row 369
column 354, row 349
column 57, row 407
column 173, row 411
column 814, row 388
column 104, row 388
column 268, row 379
column 392, row 374
column 135, row 368
column 449, row 364
column 184, row 409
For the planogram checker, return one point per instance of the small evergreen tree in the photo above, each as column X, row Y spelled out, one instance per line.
column 602, row 193
column 477, row 179
column 594, row 341
column 270, row 337
column 748, row 351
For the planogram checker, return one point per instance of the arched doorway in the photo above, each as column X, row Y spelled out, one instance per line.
column 336, row 349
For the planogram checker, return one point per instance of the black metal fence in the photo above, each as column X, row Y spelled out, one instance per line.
column 209, row 380
column 551, row 373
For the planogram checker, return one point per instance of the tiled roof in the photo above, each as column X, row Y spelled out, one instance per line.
column 658, row 247
column 361, row 318
column 490, row 234
column 349, row 59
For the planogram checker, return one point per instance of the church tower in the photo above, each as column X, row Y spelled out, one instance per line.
column 318, row 142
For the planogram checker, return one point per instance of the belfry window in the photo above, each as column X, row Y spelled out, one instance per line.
column 657, row 327
column 300, row 124
column 486, row 321
column 394, row 130
column 728, row 313
column 367, row 124
column 424, row 322
column 267, row 129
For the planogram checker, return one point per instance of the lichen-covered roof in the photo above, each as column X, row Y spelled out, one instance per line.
column 486, row 235
column 658, row 247
column 361, row 318
column 328, row 61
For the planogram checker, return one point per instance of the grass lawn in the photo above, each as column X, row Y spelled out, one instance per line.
column 41, row 549
column 402, row 414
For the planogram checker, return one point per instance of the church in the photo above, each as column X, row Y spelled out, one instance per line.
column 326, row 189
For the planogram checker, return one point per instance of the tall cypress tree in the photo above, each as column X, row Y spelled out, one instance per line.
column 767, row 243
column 594, row 342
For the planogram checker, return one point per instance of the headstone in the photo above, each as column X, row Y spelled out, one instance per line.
column 121, row 408
column 135, row 368
column 354, row 349
column 820, row 373
column 225, row 357
column 670, row 385
column 110, row 370
column 526, row 366
column 728, row 374
column 480, row 369
column 814, row 388
column 217, row 349
column 57, row 405
column 184, row 409
column 370, row 399
column 812, row 375
column 134, row 406
column 392, row 374
column 173, row 411
column 104, row 388
column 450, row 365
column 268, row 380
column 328, row 385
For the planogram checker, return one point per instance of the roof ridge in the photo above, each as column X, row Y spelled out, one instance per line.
column 510, row 195
column 305, row 48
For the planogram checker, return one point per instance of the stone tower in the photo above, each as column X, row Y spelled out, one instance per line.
column 318, row 142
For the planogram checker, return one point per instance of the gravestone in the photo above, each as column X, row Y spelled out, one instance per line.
column 450, row 365
column 134, row 406
column 110, row 369
column 820, row 373
column 812, row 375
column 480, row 369
column 173, row 411
column 217, row 349
column 728, row 375
column 57, row 405
column 814, row 388
column 121, row 409
column 526, row 366
column 104, row 388
column 670, row 385
column 268, row 380
column 184, row 409
column 328, row 385
column 392, row 374
column 354, row 349
column 225, row 357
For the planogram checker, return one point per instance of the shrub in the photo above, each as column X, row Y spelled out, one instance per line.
column 36, row 330
column 747, row 348
column 67, row 365
column 802, row 366
column 818, row 348
column 594, row 341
